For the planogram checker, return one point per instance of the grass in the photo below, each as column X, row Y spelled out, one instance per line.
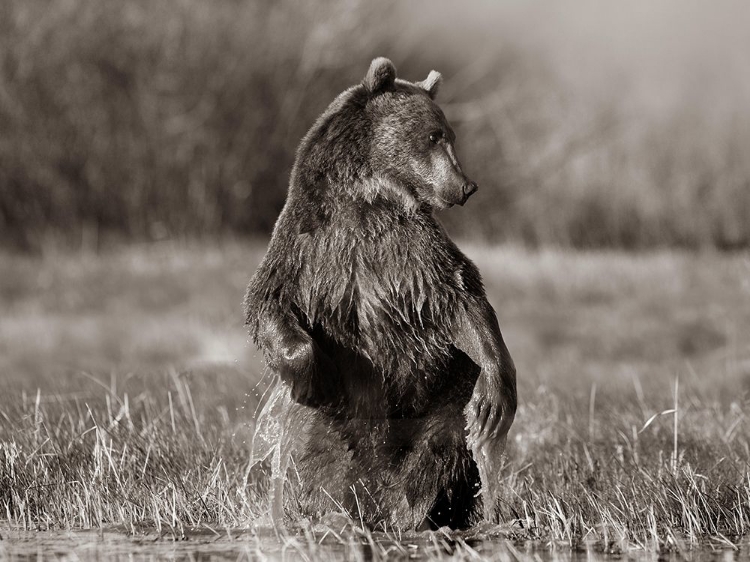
column 128, row 394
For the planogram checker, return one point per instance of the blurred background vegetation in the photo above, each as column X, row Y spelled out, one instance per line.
column 585, row 124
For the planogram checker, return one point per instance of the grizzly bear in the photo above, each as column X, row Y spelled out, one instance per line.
column 400, row 388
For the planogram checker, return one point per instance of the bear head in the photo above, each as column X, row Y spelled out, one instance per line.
column 412, row 144
column 383, row 138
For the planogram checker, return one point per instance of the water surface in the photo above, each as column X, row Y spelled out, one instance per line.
column 237, row 544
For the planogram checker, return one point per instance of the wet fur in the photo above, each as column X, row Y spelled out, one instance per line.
column 359, row 305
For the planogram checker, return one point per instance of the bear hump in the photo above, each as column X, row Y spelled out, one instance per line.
column 380, row 76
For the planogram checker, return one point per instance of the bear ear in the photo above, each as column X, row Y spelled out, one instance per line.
column 431, row 84
column 381, row 75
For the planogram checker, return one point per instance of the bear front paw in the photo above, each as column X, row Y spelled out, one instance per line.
column 311, row 376
column 491, row 410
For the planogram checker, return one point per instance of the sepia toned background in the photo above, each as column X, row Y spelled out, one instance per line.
column 145, row 150
column 586, row 124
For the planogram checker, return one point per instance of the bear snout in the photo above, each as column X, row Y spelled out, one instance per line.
column 469, row 188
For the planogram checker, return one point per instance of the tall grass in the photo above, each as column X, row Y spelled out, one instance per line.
column 597, row 477
column 125, row 460
column 155, row 119
column 677, row 479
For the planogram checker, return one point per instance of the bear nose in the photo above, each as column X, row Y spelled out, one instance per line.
column 470, row 188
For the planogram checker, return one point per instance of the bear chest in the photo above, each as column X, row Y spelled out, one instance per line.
column 390, row 298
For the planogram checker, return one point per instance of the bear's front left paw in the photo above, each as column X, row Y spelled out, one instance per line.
column 491, row 410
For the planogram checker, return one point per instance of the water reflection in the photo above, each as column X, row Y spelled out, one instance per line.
column 214, row 545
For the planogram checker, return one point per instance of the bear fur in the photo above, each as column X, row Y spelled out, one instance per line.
column 401, row 389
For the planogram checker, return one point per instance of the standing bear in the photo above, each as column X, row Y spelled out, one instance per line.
column 400, row 390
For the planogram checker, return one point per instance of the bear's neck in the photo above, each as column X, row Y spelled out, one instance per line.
column 380, row 191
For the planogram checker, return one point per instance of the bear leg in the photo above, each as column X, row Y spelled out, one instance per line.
column 440, row 475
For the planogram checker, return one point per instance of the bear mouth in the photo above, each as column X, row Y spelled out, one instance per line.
column 444, row 204
column 449, row 204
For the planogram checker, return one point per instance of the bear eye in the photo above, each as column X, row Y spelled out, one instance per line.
column 435, row 136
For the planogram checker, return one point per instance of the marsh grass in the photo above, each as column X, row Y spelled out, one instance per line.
column 127, row 460
column 632, row 430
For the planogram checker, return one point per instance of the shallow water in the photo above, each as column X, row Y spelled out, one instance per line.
column 207, row 544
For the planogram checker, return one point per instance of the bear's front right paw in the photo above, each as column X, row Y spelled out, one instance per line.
column 313, row 383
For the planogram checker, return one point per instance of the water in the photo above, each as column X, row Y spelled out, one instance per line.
column 207, row 544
